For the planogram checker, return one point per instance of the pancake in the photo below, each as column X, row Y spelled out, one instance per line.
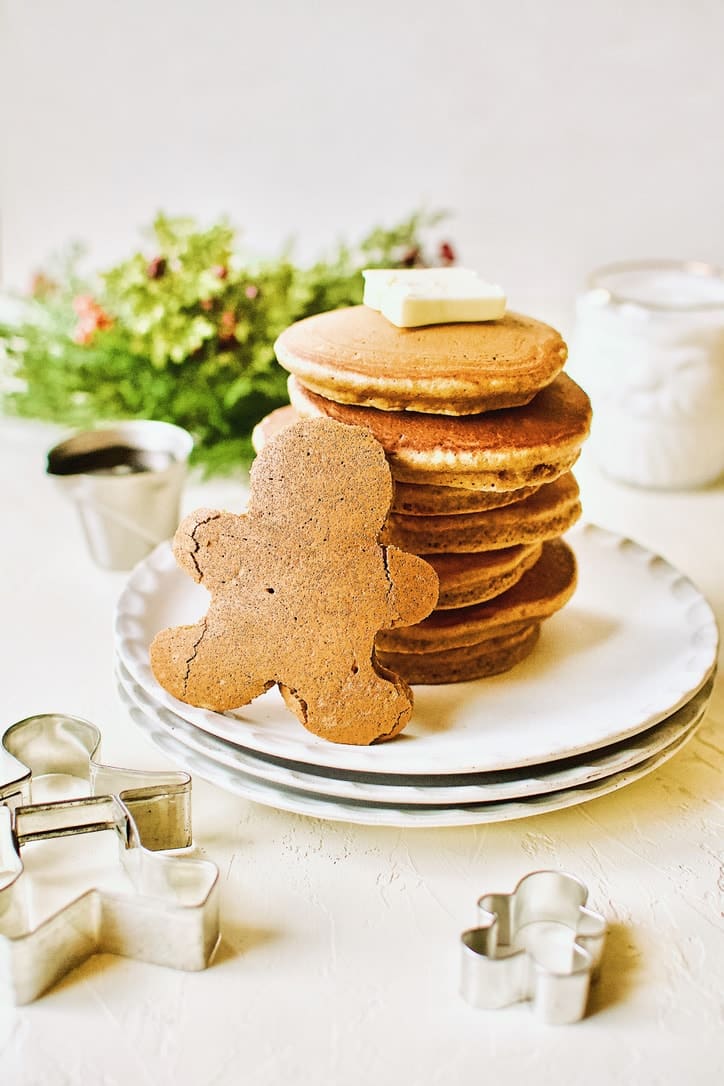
column 271, row 425
column 356, row 356
column 499, row 450
column 412, row 498
column 547, row 513
column 491, row 657
column 542, row 591
column 419, row 499
column 472, row 578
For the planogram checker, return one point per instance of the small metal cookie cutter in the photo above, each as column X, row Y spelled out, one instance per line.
column 516, row 952
column 172, row 919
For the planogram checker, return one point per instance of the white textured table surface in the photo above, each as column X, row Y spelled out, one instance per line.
column 339, row 960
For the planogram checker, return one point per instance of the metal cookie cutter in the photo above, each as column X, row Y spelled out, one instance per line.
column 517, row 952
column 172, row 919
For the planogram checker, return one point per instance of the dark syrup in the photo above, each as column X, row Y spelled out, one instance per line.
column 112, row 460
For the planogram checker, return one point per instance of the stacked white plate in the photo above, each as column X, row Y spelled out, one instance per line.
column 619, row 682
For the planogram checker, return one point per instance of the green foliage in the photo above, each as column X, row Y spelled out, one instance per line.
column 182, row 331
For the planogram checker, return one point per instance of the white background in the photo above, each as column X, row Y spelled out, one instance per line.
column 561, row 134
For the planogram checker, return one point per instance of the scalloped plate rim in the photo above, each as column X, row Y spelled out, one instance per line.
column 334, row 809
column 667, row 732
column 425, row 754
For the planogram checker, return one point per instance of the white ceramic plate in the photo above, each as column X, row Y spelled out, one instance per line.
column 401, row 816
column 637, row 641
column 469, row 788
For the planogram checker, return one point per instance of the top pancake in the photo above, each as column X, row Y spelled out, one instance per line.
column 357, row 356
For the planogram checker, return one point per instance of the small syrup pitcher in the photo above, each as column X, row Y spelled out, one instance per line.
column 126, row 481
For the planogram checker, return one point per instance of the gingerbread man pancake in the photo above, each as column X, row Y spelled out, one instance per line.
column 300, row 585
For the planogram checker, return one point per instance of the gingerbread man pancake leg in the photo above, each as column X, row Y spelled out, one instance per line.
column 375, row 701
column 194, row 671
column 172, row 652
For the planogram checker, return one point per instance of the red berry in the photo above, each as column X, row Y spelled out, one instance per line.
column 227, row 325
column 447, row 253
column 220, row 271
column 157, row 267
column 410, row 257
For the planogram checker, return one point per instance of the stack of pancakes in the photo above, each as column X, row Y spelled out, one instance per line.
column 480, row 428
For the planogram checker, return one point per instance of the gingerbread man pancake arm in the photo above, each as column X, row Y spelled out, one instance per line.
column 414, row 587
column 207, row 546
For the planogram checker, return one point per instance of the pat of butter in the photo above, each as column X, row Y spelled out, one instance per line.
column 416, row 296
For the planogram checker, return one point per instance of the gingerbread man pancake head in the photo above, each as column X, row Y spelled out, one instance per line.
column 300, row 585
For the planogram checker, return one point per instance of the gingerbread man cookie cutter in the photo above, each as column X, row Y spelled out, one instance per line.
column 516, row 953
column 172, row 917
